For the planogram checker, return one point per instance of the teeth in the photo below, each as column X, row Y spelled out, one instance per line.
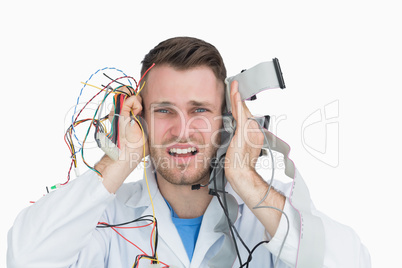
column 182, row 151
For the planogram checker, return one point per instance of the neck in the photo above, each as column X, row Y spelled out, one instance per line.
column 186, row 203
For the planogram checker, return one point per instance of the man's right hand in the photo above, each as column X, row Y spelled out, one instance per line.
column 132, row 142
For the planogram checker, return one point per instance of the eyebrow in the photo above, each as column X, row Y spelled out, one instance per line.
column 200, row 103
column 193, row 103
column 161, row 103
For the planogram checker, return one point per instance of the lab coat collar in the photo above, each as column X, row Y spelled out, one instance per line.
column 142, row 199
column 210, row 233
column 230, row 190
column 167, row 231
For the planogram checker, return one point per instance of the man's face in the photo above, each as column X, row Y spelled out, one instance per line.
column 183, row 110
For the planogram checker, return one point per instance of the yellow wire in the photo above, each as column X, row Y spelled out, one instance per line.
column 101, row 89
column 146, row 178
column 145, row 172
column 144, row 257
column 104, row 126
column 141, row 88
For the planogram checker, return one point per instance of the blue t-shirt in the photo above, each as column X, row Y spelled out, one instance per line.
column 188, row 230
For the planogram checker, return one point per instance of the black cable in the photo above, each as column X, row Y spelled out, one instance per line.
column 116, row 120
column 142, row 218
column 251, row 253
column 120, row 83
column 231, row 230
column 138, row 258
column 149, row 218
column 232, row 224
column 225, row 211
column 156, row 237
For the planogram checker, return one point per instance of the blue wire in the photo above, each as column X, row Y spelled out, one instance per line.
column 78, row 99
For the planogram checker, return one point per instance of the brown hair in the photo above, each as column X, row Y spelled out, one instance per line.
column 184, row 53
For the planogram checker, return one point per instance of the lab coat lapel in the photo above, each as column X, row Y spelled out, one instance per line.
column 167, row 231
column 210, row 233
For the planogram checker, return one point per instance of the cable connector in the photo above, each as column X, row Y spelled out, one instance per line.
column 107, row 146
column 196, row 187
column 56, row 186
column 77, row 172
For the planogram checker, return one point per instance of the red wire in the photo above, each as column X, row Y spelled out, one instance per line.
column 128, row 77
column 139, row 82
column 69, row 171
column 122, row 227
column 93, row 119
column 152, row 234
column 128, row 240
column 113, row 228
column 122, row 77
column 68, row 145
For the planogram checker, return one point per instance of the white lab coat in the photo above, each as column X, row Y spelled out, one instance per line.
column 59, row 231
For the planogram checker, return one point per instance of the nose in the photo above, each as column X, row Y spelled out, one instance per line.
column 182, row 127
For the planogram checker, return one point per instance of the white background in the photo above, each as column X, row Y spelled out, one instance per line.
column 342, row 53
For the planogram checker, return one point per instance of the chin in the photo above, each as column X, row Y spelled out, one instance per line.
column 184, row 175
column 188, row 170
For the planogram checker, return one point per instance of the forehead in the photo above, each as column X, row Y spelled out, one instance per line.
column 165, row 83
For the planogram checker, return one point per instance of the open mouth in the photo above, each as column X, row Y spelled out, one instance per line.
column 183, row 152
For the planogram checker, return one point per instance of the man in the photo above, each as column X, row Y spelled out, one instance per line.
column 182, row 103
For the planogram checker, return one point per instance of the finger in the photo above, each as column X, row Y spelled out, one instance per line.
column 239, row 107
column 234, row 98
column 111, row 115
column 119, row 91
column 132, row 104
column 245, row 109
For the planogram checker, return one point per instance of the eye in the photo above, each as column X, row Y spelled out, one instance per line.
column 200, row 110
column 164, row 111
